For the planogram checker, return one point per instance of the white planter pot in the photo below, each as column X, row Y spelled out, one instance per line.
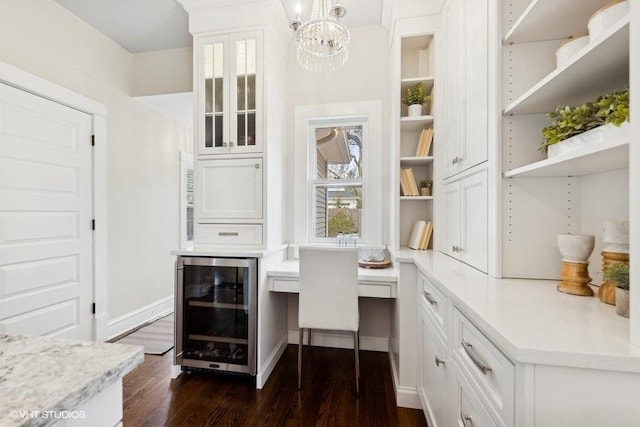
column 415, row 110
column 622, row 302
column 567, row 51
column 590, row 139
column 606, row 17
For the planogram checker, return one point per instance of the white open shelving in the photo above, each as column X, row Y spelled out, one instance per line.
column 609, row 156
column 413, row 124
column 595, row 70
column 569, row 18
column 415, row 198
column 416, row 161
column 427, row 83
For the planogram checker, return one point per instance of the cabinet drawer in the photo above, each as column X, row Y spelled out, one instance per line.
column 487, row 367
column 230, row 234
column 436, row 305
column 468, row 410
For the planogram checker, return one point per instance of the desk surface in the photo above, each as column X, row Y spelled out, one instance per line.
column 291, row 268
column 375, row 283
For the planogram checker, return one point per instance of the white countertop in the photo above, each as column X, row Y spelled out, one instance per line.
column 47, row 374
column 291, row 268
column 530, row 320
column 227, row 251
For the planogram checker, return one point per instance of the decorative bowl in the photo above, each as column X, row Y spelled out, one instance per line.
column 568, row 49
column 576, row 248
column 605, row 17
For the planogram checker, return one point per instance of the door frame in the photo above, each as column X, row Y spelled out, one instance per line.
column 28, row 82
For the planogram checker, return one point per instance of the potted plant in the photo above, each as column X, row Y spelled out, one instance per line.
column 570, row 123
column 618, row 273
column 425, row 187
column 414, row 98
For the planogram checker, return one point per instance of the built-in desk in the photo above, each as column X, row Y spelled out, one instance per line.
column 374, row 283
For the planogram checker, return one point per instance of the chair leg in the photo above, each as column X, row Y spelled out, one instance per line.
column 356, row 338
column 300, row 358
column 309, row 339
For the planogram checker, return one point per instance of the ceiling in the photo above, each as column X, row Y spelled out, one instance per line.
column 151, row 25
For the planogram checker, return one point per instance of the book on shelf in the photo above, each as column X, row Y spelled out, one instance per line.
column 420, row 235
column 424, row 144
column 408, row 182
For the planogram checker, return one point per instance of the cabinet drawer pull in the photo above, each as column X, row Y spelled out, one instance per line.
column 468, row 348
column 439, row 361
column 466, row 420
column 429, row 298
column 228, row 233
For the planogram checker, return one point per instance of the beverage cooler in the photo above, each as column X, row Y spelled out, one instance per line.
column 216, row 313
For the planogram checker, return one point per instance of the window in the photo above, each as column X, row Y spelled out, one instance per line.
column 336, row 179
column 338, row 168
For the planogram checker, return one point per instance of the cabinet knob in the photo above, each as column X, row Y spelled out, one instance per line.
column 439, row 361
column 224, row 144
column 466, row 420
column 230, row 143
column 456, row 160
column 454, row 248
column 257, row 165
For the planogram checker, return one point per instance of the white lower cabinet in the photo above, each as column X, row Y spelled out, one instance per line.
column 466, row 219
column 466, row 380
column 433, row 373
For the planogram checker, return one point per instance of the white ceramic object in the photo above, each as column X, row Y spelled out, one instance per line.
column 590, row 139
column 615, row 236
column 576, row 247
column 415, row 110
column 569, row 48
column 605, row 17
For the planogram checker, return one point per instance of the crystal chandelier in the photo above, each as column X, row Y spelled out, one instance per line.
column 322, row 41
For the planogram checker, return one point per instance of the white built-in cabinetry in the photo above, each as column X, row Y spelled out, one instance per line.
column 416, row 66
column 464, row 137
column 574, row 193
column 465, row 225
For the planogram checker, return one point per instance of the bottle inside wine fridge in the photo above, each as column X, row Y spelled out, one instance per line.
column 216, row 313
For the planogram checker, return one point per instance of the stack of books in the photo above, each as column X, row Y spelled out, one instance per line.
column 420, row 235
column 424, row 144
column 408, row 182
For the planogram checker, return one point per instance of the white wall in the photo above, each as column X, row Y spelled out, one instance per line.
column 365, row 77
column 41, row 37
column 165, row 71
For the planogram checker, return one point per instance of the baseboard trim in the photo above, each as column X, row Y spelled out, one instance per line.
column 406, row 397
column 139, row 317
column 263, row 375
column 337, row 340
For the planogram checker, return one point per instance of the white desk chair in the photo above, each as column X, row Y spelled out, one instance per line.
column 328, row 295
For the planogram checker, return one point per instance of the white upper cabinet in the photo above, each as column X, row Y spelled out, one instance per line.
column 229, row 118
column 466, row 84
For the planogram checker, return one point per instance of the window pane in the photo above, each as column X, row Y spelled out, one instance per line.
column 339, row 152
column 338, row 209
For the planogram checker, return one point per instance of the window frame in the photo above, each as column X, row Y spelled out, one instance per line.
column 313, row 183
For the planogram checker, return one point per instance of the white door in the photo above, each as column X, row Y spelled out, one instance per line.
column 46, row 238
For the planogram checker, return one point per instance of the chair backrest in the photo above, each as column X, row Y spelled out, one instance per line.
column 328, row 288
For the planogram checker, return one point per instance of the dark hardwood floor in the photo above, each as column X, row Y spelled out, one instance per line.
column 152, row 398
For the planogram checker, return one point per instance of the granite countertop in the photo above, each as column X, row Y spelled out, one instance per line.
column 529, row 320
column 48, row 374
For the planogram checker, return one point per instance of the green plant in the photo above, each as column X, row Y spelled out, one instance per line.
column 568, row 121
column 341, row 221
column 618, row 273
column 614, row 107
column 415, row 95
column 426, row 183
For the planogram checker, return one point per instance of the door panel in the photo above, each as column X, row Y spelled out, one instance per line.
column 46, row 255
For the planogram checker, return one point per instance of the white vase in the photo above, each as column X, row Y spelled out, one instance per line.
column 415, row 110
column 622, row 302
column 576, row 248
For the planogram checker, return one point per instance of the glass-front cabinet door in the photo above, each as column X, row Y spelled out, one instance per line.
column 229, row 95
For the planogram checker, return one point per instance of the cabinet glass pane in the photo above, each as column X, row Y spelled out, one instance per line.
column 216, row 314
column 246, row 91
column 213, row 94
